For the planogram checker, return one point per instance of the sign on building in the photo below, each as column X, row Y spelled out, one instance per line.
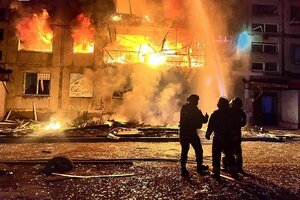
column 80, row 86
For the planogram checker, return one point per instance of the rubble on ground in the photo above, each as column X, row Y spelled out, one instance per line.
column 87, row 126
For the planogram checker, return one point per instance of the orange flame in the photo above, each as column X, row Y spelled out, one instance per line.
column 141, row 49
column 83, row 35
column 35, row 33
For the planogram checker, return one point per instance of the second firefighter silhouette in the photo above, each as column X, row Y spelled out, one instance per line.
column 220, row 124
column 191, row 119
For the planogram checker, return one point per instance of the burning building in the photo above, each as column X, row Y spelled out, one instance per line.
column 101, row 56
column 113, row 59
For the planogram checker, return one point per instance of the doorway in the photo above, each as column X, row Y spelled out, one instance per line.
column 265, row 109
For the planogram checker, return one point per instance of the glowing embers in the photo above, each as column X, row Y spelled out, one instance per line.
column 53, row 125
column 83, row 33
column 35, row 33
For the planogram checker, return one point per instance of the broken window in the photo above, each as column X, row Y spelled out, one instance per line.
column 295, row 15
column 257, row 66
column 37, row 83
column 2, row 14
column 117, row 95
column 296, row 53
column 1, row 34
column 258, row 27
column 271, row 67
column 271, row 28
column 265, row 47
column 258, row 9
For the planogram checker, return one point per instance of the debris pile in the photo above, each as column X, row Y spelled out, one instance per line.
column 86, row 125
column 82, row 126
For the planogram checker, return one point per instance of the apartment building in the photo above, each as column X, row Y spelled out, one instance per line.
column 272, row 83
column 63, row 55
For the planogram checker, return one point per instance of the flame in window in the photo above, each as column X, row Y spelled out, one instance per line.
column 83, row 34
column 35, row 33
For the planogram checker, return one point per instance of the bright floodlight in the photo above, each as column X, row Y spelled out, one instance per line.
column 244, row 41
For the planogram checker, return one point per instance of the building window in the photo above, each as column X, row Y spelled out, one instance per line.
column 265, row 66
column 257, row 27
column 271, row 67
column 295, row 15
column 37, row 83
column 257, row 66
column 257, row 47
column 270, row 28
column 1, row 34
column 265, row 47
column 258, row 9
column 117, row 95
column 296, row 53
column 2, row 14
column 270, row 48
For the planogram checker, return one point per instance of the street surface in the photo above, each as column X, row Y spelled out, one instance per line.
column 273, row 172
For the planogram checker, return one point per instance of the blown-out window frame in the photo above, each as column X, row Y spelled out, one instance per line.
column 36, row 84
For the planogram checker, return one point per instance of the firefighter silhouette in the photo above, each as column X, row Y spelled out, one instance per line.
column 191, row 119
column 220, row 124
column 239, row 119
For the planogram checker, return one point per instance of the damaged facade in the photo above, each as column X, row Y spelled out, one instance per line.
column 64, row 77
column 59, row 72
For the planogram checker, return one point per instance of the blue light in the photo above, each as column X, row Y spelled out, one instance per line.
column 244, row 41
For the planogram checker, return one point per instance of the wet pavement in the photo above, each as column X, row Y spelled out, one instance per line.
column 273, row 172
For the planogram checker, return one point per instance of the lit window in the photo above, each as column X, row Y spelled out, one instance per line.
column 37, row 83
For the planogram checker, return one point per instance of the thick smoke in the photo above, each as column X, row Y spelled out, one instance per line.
column 212, row 21
column 154, row 96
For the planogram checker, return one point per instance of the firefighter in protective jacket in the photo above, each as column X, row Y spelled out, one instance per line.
column 191, row 119
column 239, row 120
column 220, row 124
